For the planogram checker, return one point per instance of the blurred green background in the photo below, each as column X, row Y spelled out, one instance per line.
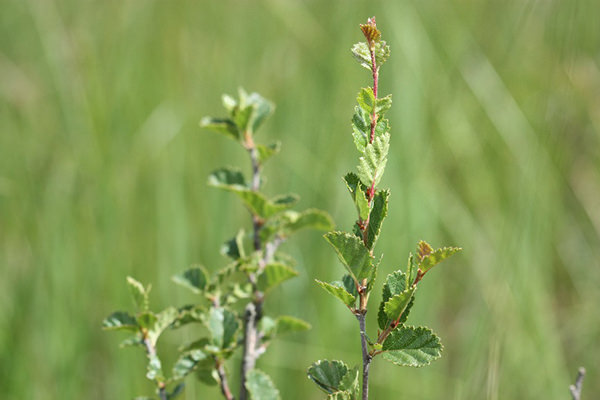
column 495, row 147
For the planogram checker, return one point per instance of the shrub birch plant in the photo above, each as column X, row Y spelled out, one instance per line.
column 395, row 341
column 230, row 301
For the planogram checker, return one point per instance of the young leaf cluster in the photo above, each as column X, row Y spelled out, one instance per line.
column 229, row 307
column 395, row 341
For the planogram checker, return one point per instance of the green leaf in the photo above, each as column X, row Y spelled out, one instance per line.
column 266, row 152
column 147, row 319
column 289, row 222
column 338, row 292
column 382, row 127
column 188, row 314
column 194, row 279
column 398, row 303
column 187, row 363
column 138, row 293
column 361, row 128
column 262, row 108
column 412, row 347
column 234, row 247
column 164, row 320
column 352, row 253
column 309, row 219
column 358, row 195
column 132, row 341
column 233, row 180
column 366, row 100
column 395, row 284
column 224, row 126
column 284, row 201
column 378, row 214
column 333, row 376
column 227, row 178
column 274, row 274
column 229, row 102
column 361, row 52
column 382, row 52
column 439, row 255
column 206, row 372
column 350, row 285
column 286, row 324
column 383, row 104
column 372, row 163
column 120, row 320
column 223, row 326
column 345, row 395
column 154, row 369
column 260, row 386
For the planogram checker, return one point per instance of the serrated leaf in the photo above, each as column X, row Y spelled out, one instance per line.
column 260, row 386
column 164, row 320
column 139, row 294
column 120, row 320
column 382, row 52
column 262, row 108
column 344, row 395
column 266, row 326
column 274, row 274
column 132, row 341
column 233, row 180
column 223, row 326
column 194, row 279
column 378, row 214
column 382, row 127
column 189, row 314
column 366, row 101
column 412, row 347
column 227, row 177
column 361, row 52
column 358, row 195
column 147, row 319
column 338, row 292
column 187, row 363
column 234, row 247
column 361, row 128
column 394, row 285
column 439, row 255
column 266, row 152
column 154, row 369
column 309, row 219
column 397, row 304
column 286, row 324
column 372, row 163
column 350, row 285
column 383, row 104
column 334, row 377
column 224, row 126
column 352, row 253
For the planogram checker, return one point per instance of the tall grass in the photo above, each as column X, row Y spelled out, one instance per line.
column 496, row 134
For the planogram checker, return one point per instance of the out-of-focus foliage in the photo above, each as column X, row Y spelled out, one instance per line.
column 495, row 146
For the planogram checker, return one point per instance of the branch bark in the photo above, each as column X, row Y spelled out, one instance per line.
column 223, row 381
column 366, row 357
column 576, row 388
